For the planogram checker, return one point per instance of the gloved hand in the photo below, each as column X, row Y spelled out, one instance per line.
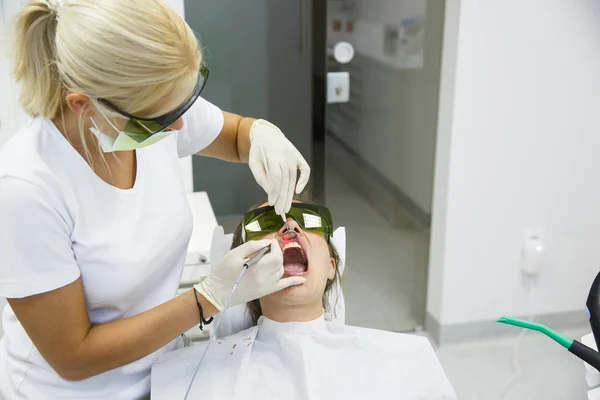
column 259, row 280
column 274, row 162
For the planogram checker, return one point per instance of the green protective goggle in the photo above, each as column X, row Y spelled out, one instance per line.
column 262, row 221
column 140, row 128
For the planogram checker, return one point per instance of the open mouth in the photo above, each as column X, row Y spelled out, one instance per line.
column 294, row 259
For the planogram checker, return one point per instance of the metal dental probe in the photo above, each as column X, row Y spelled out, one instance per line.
column 253, row 260
column 287, row 228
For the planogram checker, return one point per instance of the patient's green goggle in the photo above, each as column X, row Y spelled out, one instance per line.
column 262, row 221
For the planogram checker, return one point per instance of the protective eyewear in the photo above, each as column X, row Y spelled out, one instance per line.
column 263, row 221
column 140, row 128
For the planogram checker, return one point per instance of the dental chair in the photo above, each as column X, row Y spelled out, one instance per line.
column 235, row 319
column 173, row 373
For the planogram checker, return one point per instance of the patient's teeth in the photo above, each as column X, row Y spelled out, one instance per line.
column 290, row 245
column 294, row 244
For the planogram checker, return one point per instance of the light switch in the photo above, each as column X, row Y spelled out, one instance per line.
column 338, row 87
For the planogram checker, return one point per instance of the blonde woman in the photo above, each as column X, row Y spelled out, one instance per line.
column 94, row 221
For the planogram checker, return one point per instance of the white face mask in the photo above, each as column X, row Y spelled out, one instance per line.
column 122, row 142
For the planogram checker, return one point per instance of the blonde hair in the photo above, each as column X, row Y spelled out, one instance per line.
column 134, row 53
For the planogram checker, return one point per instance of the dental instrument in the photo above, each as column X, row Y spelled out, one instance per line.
column 253, row 260
column 580, row 350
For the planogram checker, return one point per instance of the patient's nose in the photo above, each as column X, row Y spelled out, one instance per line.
column 290, row 229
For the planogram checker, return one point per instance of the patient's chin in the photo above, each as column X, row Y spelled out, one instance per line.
column 296, row 290
column 294, row 294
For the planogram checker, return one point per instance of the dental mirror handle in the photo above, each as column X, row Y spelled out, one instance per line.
column 592, row 306
column 256, row 258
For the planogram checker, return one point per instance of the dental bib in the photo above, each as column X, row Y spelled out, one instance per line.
column 305, row 360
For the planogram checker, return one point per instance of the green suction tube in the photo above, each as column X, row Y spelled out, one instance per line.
column 580, row 350
column 563, row 340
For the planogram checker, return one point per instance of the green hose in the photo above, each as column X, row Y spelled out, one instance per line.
column 563, row 340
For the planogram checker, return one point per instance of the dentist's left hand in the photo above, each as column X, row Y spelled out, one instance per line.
column 275, row 162
column 259, row 280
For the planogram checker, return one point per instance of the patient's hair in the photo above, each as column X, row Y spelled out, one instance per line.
column 253, row 307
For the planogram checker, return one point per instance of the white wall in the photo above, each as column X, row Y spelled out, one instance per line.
column 11, row 115
column 518, row 148
column 395, row 110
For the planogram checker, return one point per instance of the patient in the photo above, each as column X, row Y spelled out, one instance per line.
column 292, row 352
column 302, row 248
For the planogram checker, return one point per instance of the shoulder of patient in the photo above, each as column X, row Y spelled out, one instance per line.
column 244, row 337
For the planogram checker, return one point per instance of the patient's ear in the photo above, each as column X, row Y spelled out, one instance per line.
column 332, row 267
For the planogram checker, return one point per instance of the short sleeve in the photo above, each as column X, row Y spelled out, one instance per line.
column 36, row 254
column 202, row 123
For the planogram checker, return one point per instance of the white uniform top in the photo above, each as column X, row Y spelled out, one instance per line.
column 316, row 360
column 59, row 221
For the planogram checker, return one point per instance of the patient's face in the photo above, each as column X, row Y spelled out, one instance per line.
column 306, row 255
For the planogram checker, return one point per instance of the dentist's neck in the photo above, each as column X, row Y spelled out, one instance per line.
column 291, row 313
column 68, row 125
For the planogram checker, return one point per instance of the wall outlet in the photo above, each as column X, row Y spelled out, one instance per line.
column 532, row 252
column 338, row 87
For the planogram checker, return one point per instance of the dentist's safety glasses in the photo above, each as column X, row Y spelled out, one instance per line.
column 140, row 128
column 262, row 221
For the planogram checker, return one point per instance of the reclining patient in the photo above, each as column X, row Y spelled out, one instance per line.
column 291, row 351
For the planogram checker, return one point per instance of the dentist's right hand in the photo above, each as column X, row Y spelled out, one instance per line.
column 261, row 279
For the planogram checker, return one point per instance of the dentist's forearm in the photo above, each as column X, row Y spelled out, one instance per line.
column 121, row 342
column 243, row 138
column 233, row 143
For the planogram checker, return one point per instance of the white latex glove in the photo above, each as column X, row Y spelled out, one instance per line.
column 274, row 162
column 259, row 280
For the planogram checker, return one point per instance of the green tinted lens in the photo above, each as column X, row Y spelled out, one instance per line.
column 312, row 217
column 142, row 130
column 262, row 221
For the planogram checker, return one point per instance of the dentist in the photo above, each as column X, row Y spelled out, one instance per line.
column 94, row 221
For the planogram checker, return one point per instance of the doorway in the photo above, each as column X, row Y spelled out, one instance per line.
column 372, row 157
column 379, row 152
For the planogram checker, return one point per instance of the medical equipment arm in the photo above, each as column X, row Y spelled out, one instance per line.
column 262, row 279
column 59, row 326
